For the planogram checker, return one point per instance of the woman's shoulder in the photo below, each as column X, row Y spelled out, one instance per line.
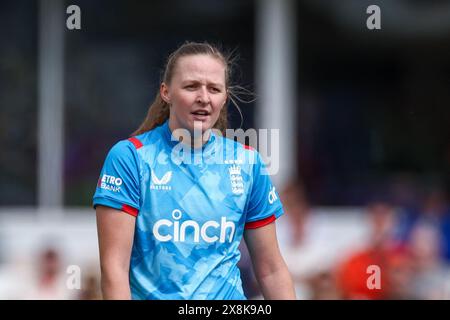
column 146, row 138
column 131, row 144
column 122, row 149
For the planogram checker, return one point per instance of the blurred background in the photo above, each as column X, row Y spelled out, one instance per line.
column 364, row 133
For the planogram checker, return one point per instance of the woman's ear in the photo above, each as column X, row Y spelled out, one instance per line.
column 226, row 99
column 164, row 93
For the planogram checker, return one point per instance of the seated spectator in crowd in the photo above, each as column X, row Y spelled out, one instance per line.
column 353, row 273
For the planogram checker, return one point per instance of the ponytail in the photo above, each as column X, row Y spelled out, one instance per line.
column 157, row 114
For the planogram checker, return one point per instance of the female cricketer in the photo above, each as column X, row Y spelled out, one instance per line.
column 169, row 225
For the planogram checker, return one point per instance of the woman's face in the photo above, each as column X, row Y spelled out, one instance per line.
column 196, row 93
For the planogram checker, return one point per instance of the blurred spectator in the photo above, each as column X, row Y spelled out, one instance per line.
column 296, row 208
column 323, row 286
column 48, row 280
column 400, row 273
column 45, row 278
column 431, row 278
column 306, row 264
column 434, row 211
column 90, row 286
column 426, row 233
column 352, row 274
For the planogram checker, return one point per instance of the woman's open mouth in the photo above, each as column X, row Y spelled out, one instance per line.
column 200, row 115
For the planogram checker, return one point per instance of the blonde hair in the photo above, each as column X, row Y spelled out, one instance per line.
column 159, row 112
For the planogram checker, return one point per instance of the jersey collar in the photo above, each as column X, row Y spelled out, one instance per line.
column 206, row 150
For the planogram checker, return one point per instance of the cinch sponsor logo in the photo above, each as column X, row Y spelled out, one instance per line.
column 161, row 184
column 272, row 196
column 167, row 230
column 110, row 183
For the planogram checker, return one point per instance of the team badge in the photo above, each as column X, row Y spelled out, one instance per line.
column 237, row 184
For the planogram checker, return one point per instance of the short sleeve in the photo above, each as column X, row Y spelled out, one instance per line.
column 118, row 184
column 264, row 205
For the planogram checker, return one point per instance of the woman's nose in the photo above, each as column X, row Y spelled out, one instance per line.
column 203, row 96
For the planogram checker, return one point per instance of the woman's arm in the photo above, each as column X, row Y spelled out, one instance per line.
column 270, row 269
column 115, row 237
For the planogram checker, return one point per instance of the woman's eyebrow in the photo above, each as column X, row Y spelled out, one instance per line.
column 197, row 82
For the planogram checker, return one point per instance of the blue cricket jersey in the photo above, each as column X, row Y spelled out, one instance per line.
column 191, row 208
